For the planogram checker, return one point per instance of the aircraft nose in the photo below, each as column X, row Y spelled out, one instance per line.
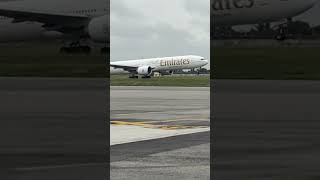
column 205, row 62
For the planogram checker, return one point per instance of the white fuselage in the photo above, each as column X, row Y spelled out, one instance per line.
column 239, row 12
column 30, row 30
column 161, row 64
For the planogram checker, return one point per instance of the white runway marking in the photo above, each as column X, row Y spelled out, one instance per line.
column 126, row 134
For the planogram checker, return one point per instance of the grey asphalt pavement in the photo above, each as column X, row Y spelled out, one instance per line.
column 171, row 158
column 265, row 129
column 53, row 128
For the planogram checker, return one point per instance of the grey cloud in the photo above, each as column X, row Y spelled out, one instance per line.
column 120, row 9
column 162, row 29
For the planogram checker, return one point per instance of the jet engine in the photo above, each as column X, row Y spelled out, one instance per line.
column 144, row 70
column 98, row 29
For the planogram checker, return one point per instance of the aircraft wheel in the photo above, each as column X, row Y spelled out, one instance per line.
column 146, row 77
column 280, row 37
column 134, row 77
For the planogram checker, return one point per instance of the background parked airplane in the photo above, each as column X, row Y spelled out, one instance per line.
column 146, row 67
column 74, row 21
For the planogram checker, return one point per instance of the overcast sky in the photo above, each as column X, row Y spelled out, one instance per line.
column 157, row 28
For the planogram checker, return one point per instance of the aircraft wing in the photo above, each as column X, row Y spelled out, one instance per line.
column 57, row 22
column 126, row 68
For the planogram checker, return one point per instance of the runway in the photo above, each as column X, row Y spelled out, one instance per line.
column 160, row 133
column 266, row 129
column 53, row 128
column 56, row 129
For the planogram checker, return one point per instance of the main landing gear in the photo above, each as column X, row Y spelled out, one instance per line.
column 133, row 76
column 146, row 77
column 75, row 47
column 283, row 30
column 282, row 33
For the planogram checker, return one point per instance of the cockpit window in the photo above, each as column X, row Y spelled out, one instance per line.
column 202, row 59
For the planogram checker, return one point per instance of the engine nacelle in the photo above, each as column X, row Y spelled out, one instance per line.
column 98, row 29
column 144, row 70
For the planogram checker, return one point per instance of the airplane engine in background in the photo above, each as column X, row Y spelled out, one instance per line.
column 144, row 70
column 98, row 29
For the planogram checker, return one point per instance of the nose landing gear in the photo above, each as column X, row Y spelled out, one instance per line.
column 283, row 30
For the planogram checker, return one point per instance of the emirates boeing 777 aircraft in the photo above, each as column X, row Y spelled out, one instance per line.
column 145, row 67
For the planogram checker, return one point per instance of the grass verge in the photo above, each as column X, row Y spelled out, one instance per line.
column 42, row 59
column 183, row 81
column 266, row 63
